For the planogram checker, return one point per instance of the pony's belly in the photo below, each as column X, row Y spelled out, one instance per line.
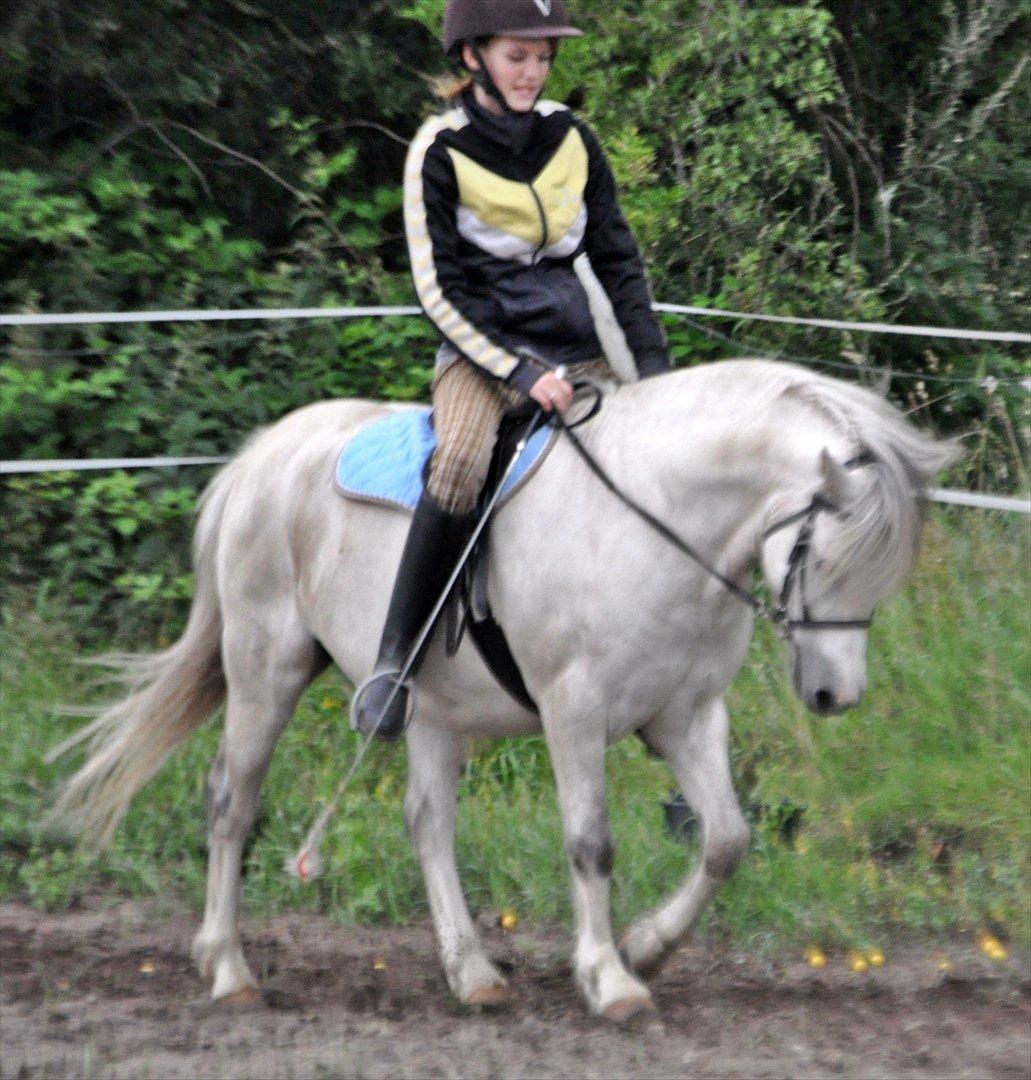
column 490, row 713
column 459, row 694
column 479, row 725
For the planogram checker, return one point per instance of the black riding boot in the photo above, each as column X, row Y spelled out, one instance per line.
column 431, row 553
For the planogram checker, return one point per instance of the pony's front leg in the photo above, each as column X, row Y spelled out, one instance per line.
column 578, row 759
column 435, row 760
column 695, row 747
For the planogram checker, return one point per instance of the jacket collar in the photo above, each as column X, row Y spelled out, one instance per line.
column 514, row 132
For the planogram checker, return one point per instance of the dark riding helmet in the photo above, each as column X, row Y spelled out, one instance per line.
column 469, row 20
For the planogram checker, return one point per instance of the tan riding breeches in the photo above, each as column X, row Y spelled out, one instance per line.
column 467, row 409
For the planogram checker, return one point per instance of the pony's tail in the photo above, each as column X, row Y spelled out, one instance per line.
column 167, row 696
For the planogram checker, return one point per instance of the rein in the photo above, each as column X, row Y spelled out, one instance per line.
column 798, row 560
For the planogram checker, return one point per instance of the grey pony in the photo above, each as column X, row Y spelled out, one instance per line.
column 615, row 632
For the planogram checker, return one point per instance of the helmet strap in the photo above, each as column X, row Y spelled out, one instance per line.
column 482, row 78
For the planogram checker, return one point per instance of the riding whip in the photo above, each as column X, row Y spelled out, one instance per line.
column 307, row 863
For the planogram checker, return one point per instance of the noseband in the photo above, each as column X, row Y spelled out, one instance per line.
column 798, row 560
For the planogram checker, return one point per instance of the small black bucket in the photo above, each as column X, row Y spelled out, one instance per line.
column 681, row 822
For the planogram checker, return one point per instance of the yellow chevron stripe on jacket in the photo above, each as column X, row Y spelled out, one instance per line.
column 495, row 211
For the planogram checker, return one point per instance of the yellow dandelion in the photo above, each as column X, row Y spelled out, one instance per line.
column 379, row 964
column 875, row 958
column 509, row 920
column 147, row 967
column 328, row 703
column 858, row 963
column 991, row 946
column 815, row 957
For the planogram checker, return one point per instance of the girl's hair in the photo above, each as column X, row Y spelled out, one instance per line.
column 449, row 87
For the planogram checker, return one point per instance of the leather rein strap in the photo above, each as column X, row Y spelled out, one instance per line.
column 798, row 560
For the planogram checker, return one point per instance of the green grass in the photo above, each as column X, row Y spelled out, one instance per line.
column 916, row 807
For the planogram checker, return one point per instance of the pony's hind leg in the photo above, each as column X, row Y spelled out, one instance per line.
column 435, row 760
column 695, row 747
column 266, row 672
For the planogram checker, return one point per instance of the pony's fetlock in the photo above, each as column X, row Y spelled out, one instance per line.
column 474, row 980
column 221, row 960
column 204, row 952
column 606, row 985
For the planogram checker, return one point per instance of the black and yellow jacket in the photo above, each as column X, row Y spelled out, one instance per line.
column 496, row 211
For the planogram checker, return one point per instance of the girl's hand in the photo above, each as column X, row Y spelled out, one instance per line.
column 552, row 392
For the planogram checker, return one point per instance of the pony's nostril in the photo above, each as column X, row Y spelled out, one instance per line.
column 824, row 701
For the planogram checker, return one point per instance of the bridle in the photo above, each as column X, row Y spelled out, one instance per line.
column 798, row 559
column 798, row 562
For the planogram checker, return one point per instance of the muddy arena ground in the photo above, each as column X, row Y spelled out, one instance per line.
column 109, row 991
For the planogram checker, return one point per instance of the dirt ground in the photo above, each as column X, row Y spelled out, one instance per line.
column 109, row 992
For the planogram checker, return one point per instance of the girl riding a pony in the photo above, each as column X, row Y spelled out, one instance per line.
column 502, row 192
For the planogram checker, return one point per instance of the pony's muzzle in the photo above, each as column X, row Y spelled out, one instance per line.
column 830, row 678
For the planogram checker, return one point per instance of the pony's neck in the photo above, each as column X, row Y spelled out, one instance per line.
column 716, row 455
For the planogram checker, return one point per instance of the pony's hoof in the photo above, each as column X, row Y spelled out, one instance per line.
column 250, row 997
column 630, row 1009
column 493, row 996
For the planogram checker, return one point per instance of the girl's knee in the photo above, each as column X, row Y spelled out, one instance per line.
column 456, row 480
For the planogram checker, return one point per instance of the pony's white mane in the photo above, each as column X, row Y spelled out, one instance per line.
column 884, row 521
column 882, row 535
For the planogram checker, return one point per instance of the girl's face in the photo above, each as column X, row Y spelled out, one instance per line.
column 519, row 68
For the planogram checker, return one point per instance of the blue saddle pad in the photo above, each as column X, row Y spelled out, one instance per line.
column 384, row 463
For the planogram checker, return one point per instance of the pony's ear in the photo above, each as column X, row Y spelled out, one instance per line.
column 838, row 485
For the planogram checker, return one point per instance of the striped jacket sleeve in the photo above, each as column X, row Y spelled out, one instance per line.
column 430, row 204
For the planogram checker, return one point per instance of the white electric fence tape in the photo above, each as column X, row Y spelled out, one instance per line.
column 10, row 468
column 980, row 502
column 864, row 327
column 86, row 318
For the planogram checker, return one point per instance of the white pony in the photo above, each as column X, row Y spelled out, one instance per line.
column 616, row 631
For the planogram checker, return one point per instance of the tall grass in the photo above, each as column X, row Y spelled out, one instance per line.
column 912, row 811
